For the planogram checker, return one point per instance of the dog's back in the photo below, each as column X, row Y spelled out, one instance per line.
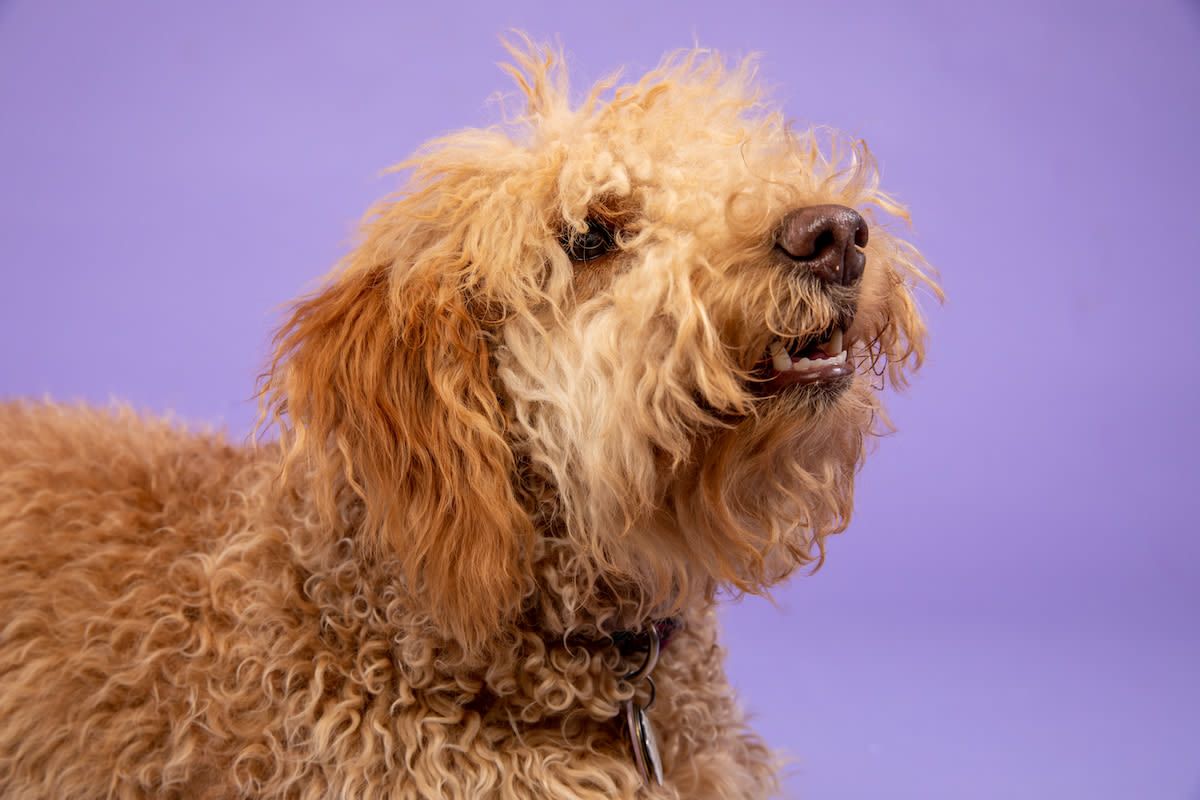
column 114, row 536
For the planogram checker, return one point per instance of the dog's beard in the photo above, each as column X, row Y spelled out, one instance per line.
column 763, row 494
column 751, row 502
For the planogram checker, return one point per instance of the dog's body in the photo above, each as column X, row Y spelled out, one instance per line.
column 584, row 374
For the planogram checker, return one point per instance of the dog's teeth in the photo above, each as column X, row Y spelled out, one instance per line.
column 783, row 362
column 779, row 357
column 834, row 345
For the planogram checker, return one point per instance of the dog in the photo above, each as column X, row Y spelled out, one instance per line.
column 590, row 370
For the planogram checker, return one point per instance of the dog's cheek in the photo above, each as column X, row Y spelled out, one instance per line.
column 580, row 415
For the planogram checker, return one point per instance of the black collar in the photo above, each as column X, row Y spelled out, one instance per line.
column 632, row 642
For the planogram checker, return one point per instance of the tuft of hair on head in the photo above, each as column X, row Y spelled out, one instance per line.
column 540, row 73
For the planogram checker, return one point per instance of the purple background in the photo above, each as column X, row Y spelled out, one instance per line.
column 1014, row 612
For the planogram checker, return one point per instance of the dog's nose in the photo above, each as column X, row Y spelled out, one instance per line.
column 825, row 241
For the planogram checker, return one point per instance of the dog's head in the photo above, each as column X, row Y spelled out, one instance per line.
column 650, row 330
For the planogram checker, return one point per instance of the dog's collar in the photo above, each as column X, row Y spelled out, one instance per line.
column 632, row 642
column 651, row 639
column 647, row 642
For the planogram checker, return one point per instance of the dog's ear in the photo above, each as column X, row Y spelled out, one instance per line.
column 381, row 387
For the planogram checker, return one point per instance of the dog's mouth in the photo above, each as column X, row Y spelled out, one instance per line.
column 819, row 360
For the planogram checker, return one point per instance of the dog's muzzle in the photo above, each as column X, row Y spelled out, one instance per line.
column 824, row 242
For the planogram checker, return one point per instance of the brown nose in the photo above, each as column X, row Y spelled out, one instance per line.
column 825, row 241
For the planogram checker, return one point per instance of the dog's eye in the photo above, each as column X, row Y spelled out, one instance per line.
column 596, row 241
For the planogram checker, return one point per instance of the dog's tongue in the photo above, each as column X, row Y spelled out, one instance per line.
column 830, row 348
column 817, row 351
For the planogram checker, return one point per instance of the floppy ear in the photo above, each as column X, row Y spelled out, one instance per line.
column 385, row 381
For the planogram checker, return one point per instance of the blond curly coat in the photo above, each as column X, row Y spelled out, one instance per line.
column 490, row 459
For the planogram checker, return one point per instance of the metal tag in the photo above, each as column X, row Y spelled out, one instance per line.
column 643, row 742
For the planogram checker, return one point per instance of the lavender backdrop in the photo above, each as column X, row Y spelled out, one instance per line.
column 1014, row 612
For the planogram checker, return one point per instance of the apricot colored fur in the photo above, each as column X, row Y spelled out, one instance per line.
column 488, row 459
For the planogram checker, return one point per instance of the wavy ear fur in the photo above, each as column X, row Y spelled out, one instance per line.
column 381, row 385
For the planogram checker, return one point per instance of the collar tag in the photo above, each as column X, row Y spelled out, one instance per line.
column 642, row 740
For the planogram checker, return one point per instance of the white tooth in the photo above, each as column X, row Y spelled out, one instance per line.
column 803, row 365
column 841, row 358
column 834, row 345
column 779, row 357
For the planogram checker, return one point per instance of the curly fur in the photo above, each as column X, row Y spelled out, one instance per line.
column 489, row 459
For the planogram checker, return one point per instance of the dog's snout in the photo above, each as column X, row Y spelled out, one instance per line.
column 825, row 240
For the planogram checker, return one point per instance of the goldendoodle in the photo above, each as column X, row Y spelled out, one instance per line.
column 590, row 369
